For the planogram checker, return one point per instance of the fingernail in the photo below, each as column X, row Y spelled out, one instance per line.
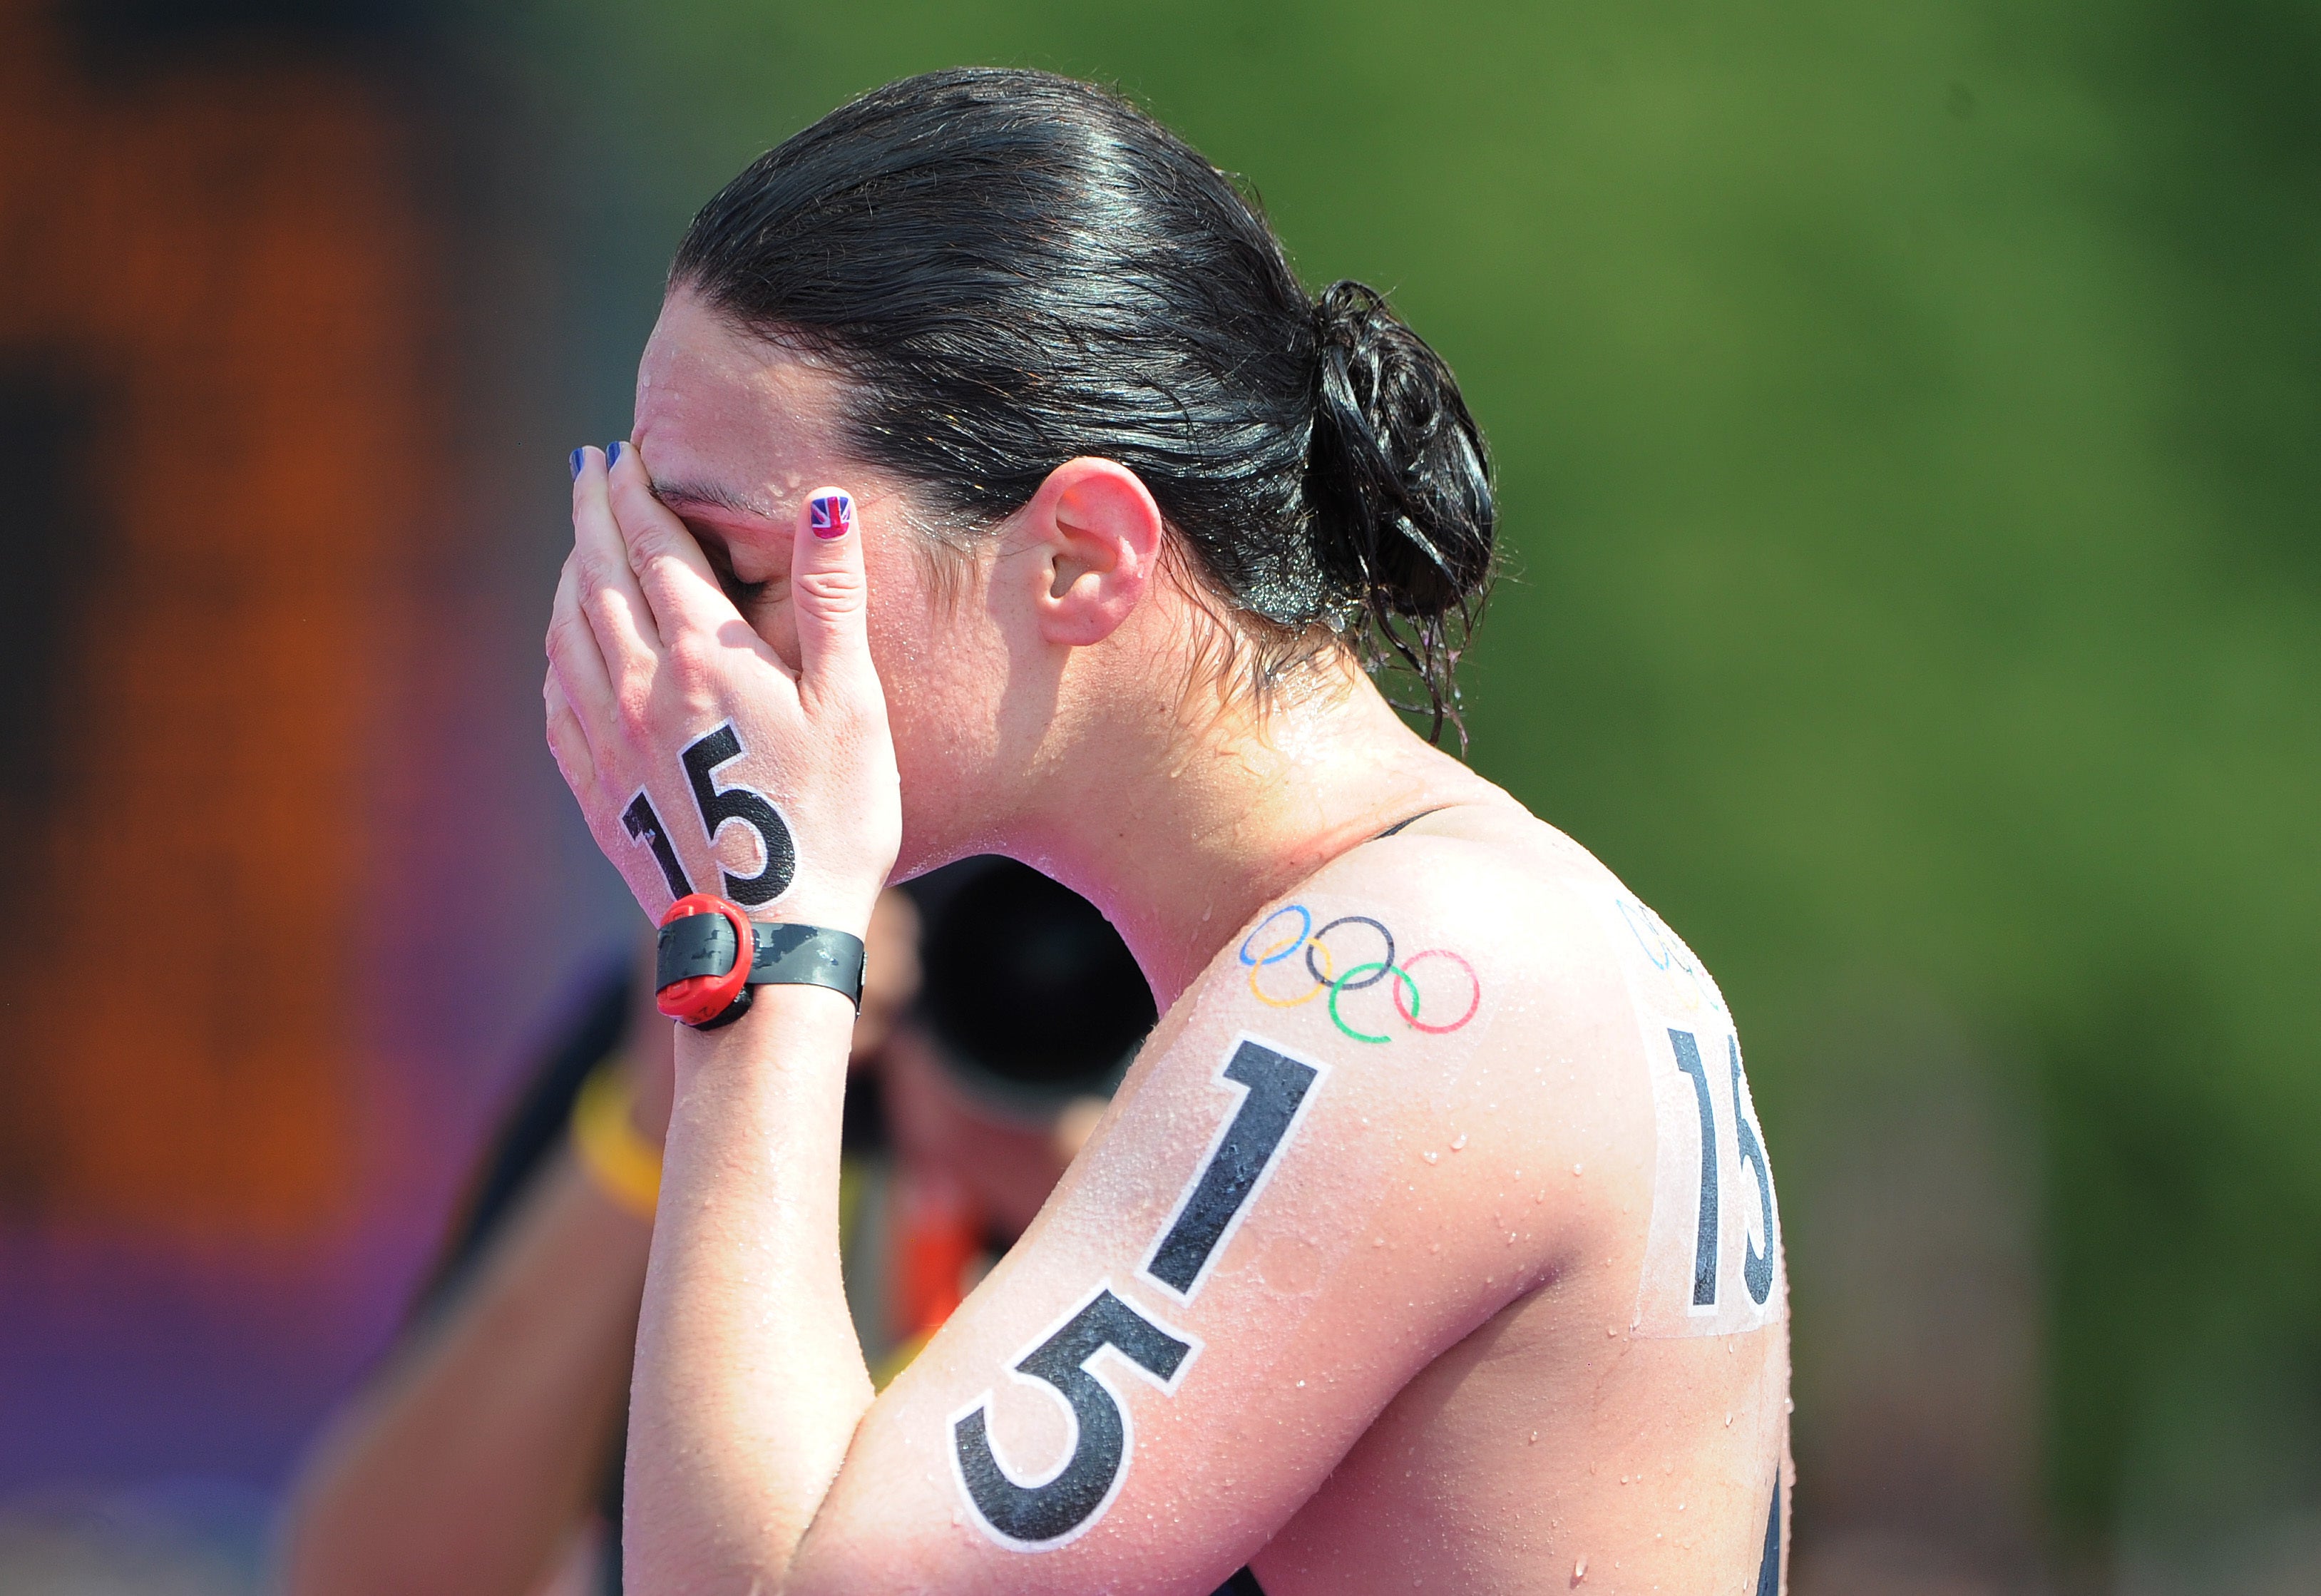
column 611, row 455
column 831, row 514
column 579, row 458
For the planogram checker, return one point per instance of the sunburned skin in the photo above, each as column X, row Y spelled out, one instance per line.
column 1420, row 1359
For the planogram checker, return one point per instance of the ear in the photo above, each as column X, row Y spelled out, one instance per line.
column 1097, row 535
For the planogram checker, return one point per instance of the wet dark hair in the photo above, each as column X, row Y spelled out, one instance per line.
column 1015, row 268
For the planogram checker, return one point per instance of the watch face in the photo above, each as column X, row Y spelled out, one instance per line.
column 1031, row 997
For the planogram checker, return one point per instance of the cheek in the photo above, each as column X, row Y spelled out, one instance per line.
column 918, row 636
column 773, row 620
column 937, row 667
column 917, row 665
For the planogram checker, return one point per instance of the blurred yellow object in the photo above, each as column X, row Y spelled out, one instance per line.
column 622, row 1164
column 898, row 1360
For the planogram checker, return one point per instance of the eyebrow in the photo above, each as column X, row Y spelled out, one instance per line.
column 712, row 495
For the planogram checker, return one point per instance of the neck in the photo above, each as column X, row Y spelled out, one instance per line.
column 1182, row 836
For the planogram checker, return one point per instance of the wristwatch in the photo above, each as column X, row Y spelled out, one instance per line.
column 700, row 975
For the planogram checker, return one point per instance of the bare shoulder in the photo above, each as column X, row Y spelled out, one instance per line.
column 1560, row 945
column 1632, row 1062
column 1581, row 1203
column 1467, row 987
column 1549, row 1051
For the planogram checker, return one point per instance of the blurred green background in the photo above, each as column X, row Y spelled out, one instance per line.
column 1909, row 422
column 1908, row 419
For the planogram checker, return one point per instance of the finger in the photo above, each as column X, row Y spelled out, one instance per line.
column 830, row 597
column 668, row 565
column 575, row 656
column 616, row 608
column 567, row 741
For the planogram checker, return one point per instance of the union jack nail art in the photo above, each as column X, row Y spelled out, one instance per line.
column 831, row 514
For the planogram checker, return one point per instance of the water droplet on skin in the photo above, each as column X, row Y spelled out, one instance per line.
column 1580, row 1570
column 1301, row 1385
column 1534, row 1438
column 1789, row 1405
column 1377, row 1241
column 1433, row 1246
column 1511, row 1238
column 1728, row 1421
column 1611, row 1329
column 1461, row 1145
column 1578, row 1167
column 1431, row 1155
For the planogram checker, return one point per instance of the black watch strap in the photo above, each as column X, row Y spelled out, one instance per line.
column 785, row 955
column 808, row 956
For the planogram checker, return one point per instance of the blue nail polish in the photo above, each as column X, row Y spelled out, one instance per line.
column 579, row 460
column 611, row 455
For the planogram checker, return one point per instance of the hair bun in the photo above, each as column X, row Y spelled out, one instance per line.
column 1399, row 481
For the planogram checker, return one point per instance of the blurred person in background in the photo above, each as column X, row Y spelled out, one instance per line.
column 483, row 1459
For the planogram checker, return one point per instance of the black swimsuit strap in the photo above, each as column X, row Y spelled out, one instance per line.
column 1412, row 820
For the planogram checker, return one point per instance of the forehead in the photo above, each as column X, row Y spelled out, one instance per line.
column 720, row 410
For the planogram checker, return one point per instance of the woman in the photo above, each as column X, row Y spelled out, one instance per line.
column 1430, row 1243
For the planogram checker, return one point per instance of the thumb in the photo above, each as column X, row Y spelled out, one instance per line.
column 828, row 597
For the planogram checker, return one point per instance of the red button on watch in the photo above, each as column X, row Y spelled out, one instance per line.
column 698, row 999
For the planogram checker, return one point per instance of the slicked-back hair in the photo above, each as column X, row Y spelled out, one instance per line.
column 1013, row 269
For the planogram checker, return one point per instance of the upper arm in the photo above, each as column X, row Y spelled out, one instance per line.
column 1319, row 1177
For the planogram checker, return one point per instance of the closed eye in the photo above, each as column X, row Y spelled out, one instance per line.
column 741, row 594
column 738, row 592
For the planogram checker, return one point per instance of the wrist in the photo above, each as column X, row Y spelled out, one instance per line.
column 832, row 911
column 789, row 1031
column 711, row 958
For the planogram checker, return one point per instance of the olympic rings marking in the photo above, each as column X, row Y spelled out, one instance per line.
column 1669, row 955
column 1305, row 928
column 1662, row 958
column 1344, row 983
column 1263, row 996
column 1355, row 986
column 1320, row 966
column 1411, row 1013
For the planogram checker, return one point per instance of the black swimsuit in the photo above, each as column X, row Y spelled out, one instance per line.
column 1413, row 820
